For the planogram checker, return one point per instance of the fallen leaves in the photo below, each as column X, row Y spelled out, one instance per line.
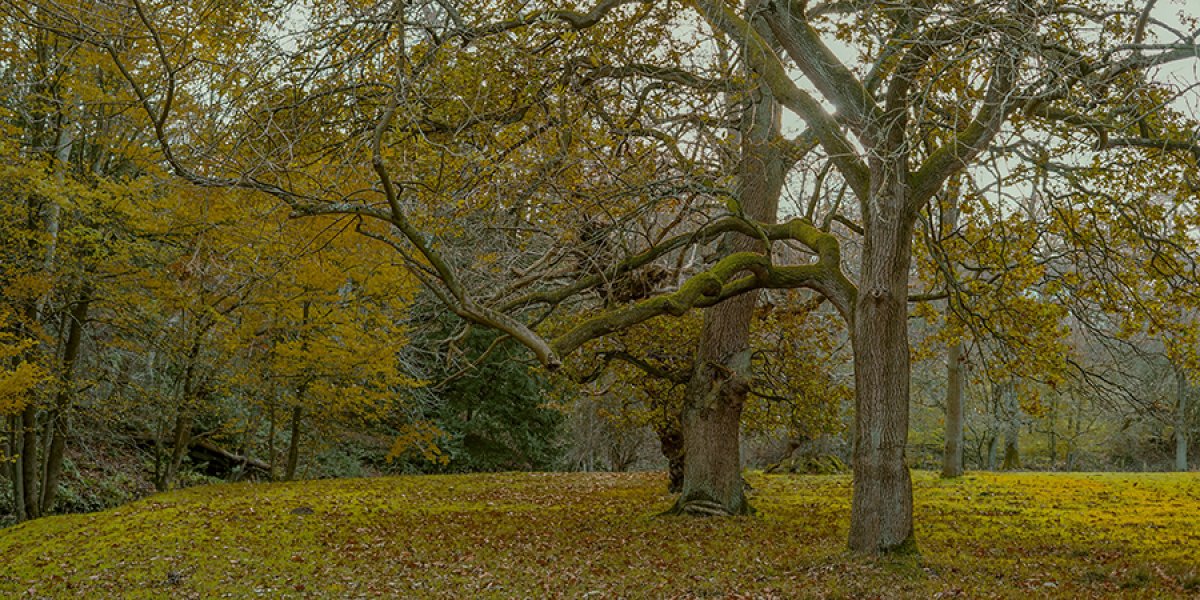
column 596, row 535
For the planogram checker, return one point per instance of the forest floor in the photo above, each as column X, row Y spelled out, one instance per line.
column 598, row 536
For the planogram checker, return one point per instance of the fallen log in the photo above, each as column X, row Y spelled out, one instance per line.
column 221, row 462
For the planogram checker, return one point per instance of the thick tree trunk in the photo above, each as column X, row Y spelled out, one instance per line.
column 952, row 460
column 881, row 508
column 716, row 393
column 62, row 402
column 712, row 475
column 1181, row 421
column 1012, row 431
column 293, row 453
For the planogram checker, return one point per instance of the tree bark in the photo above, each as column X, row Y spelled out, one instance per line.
column 952, row 460
column 29, row 461
column 881, row 508
column 1052, row 434
column 1012, row 431
column 63, row 400
column 271, row 435
column 181, row 438
column 293, row 453
column 670, row 439
column 15, row 468
column 712, row 411
column 952, row 457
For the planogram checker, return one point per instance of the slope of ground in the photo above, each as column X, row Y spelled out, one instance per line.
column 597, row 535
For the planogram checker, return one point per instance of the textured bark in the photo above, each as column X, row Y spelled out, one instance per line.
column 952, row 460
column 293, row 453
column 670, row 439
column 62, row 402
column 881, row 508
column 182, row 434
column 181, row 438
column 1052, row 433
column 712, row 479
column 14, row 468
column 271, row 436
column 1181, row 421
column 720, row 382
column 1012, row 430
column 952, row 457
column 29, row 462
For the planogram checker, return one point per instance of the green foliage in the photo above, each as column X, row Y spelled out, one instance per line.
column 520, row 535
column 494, row 414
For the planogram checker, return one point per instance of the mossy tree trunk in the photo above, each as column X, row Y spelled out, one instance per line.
column 716, row 393
column 712, row 414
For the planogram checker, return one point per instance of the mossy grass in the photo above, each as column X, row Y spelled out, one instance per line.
column 571, row 535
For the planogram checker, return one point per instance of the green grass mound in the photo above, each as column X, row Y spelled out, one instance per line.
column 595, row 535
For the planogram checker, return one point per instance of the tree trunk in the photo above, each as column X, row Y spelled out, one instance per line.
column 182, row 435
column 712, row 475
column 293, row 453
column 952, row 460
column 15, row 468
column 1052, row 434
column 1012, row 431
column 271, row 435
column 670, row 439
column 952, row 457
column 714, row 397
column 881, row 508
column 180, row 439
column 29, row 461
column 62, row 402
column 1181, row 421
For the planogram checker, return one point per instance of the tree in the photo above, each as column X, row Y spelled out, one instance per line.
column 1013, row 62
column 908, row 155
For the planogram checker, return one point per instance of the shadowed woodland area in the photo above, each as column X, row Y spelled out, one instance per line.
column 817, row 248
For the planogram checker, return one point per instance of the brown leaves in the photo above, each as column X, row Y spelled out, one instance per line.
column 595, row 535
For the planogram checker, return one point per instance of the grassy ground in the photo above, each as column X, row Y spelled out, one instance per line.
column 597, row 536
